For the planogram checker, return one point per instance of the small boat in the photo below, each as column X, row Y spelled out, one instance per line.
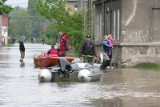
column 47, row 61
column 41, row 62
column 66, row 71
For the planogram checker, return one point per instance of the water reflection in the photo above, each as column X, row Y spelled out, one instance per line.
column 19, row 85
column 115, row 102
column 22, row 64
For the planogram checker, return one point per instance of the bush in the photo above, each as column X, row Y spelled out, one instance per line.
column 75, row 39
column 147, row 65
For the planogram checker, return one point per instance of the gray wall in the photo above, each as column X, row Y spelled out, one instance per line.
column 138, row 39
column 140, row 31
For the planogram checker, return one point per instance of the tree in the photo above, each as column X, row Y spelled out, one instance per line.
column 4, row 8
column 35, row 18
column 18, row 22
column 51, row 9
column 71, row 24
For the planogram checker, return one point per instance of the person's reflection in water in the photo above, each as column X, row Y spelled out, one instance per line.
column 22, row 64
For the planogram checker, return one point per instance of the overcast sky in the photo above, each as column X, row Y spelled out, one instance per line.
column 21, row 3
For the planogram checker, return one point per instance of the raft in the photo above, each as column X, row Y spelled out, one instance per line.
column 66, row 71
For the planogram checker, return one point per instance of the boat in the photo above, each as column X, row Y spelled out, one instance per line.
column 66, row 71
column 47, row 61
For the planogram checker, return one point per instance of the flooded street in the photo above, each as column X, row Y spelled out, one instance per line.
column 19, row 85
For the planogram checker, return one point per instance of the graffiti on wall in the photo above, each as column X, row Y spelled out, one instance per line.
column 138, row 36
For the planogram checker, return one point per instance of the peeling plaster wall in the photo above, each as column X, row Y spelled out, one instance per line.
column 140, row 32
column 137, row 54
column 136, row 20
column 137, row 42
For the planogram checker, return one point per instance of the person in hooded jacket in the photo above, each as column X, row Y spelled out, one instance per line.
column 64, row 45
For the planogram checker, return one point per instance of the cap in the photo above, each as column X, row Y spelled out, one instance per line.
column 88, row 36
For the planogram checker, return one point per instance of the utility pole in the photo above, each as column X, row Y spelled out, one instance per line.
column 90, row 8
column 84, row 17
column 88, row 19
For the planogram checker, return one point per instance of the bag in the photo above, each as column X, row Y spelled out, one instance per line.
column 103, row 57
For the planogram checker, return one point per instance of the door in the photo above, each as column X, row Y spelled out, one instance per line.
column 156, row 24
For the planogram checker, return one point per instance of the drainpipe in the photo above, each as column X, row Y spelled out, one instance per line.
column 103, row 18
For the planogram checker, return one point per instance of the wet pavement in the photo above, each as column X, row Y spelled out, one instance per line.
column 19, row 85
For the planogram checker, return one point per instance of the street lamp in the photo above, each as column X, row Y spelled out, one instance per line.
column 75, row 8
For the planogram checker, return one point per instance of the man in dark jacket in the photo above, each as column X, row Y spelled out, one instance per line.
column 22, row 49
column 87, row 50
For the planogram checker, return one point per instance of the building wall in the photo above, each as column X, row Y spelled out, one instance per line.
column 140, row 31
column 71, row 4
column 135, row 25
column 136, row 20
column 108, row 21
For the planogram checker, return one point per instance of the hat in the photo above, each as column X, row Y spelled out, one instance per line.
column 88, row 36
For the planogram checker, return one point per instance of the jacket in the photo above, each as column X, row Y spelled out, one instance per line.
column 21, row 47
column 106, row 45
column 64, row 42
column 87, row 49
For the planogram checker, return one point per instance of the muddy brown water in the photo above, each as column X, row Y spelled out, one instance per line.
column 19, row 85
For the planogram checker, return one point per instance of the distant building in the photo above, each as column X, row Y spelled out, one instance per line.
column 72, row 5
column 3, row 29
column 76, row 5
column 135, row 25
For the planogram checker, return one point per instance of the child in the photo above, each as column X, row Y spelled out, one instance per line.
column 110, row 40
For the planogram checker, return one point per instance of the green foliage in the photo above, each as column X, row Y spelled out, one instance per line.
column 26, row 21
column 4, row 0
column 74, row 22
column 35, row 18
column 73, row 27
column 65, row 22
column 49, row 41
column 75, row 39
column 32, row 8
column 50, row 8
column 5, row 9
column 146, row 65
column 19, row 22
column 49, row 32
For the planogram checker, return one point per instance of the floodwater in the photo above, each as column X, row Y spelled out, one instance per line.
column 19, row 85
